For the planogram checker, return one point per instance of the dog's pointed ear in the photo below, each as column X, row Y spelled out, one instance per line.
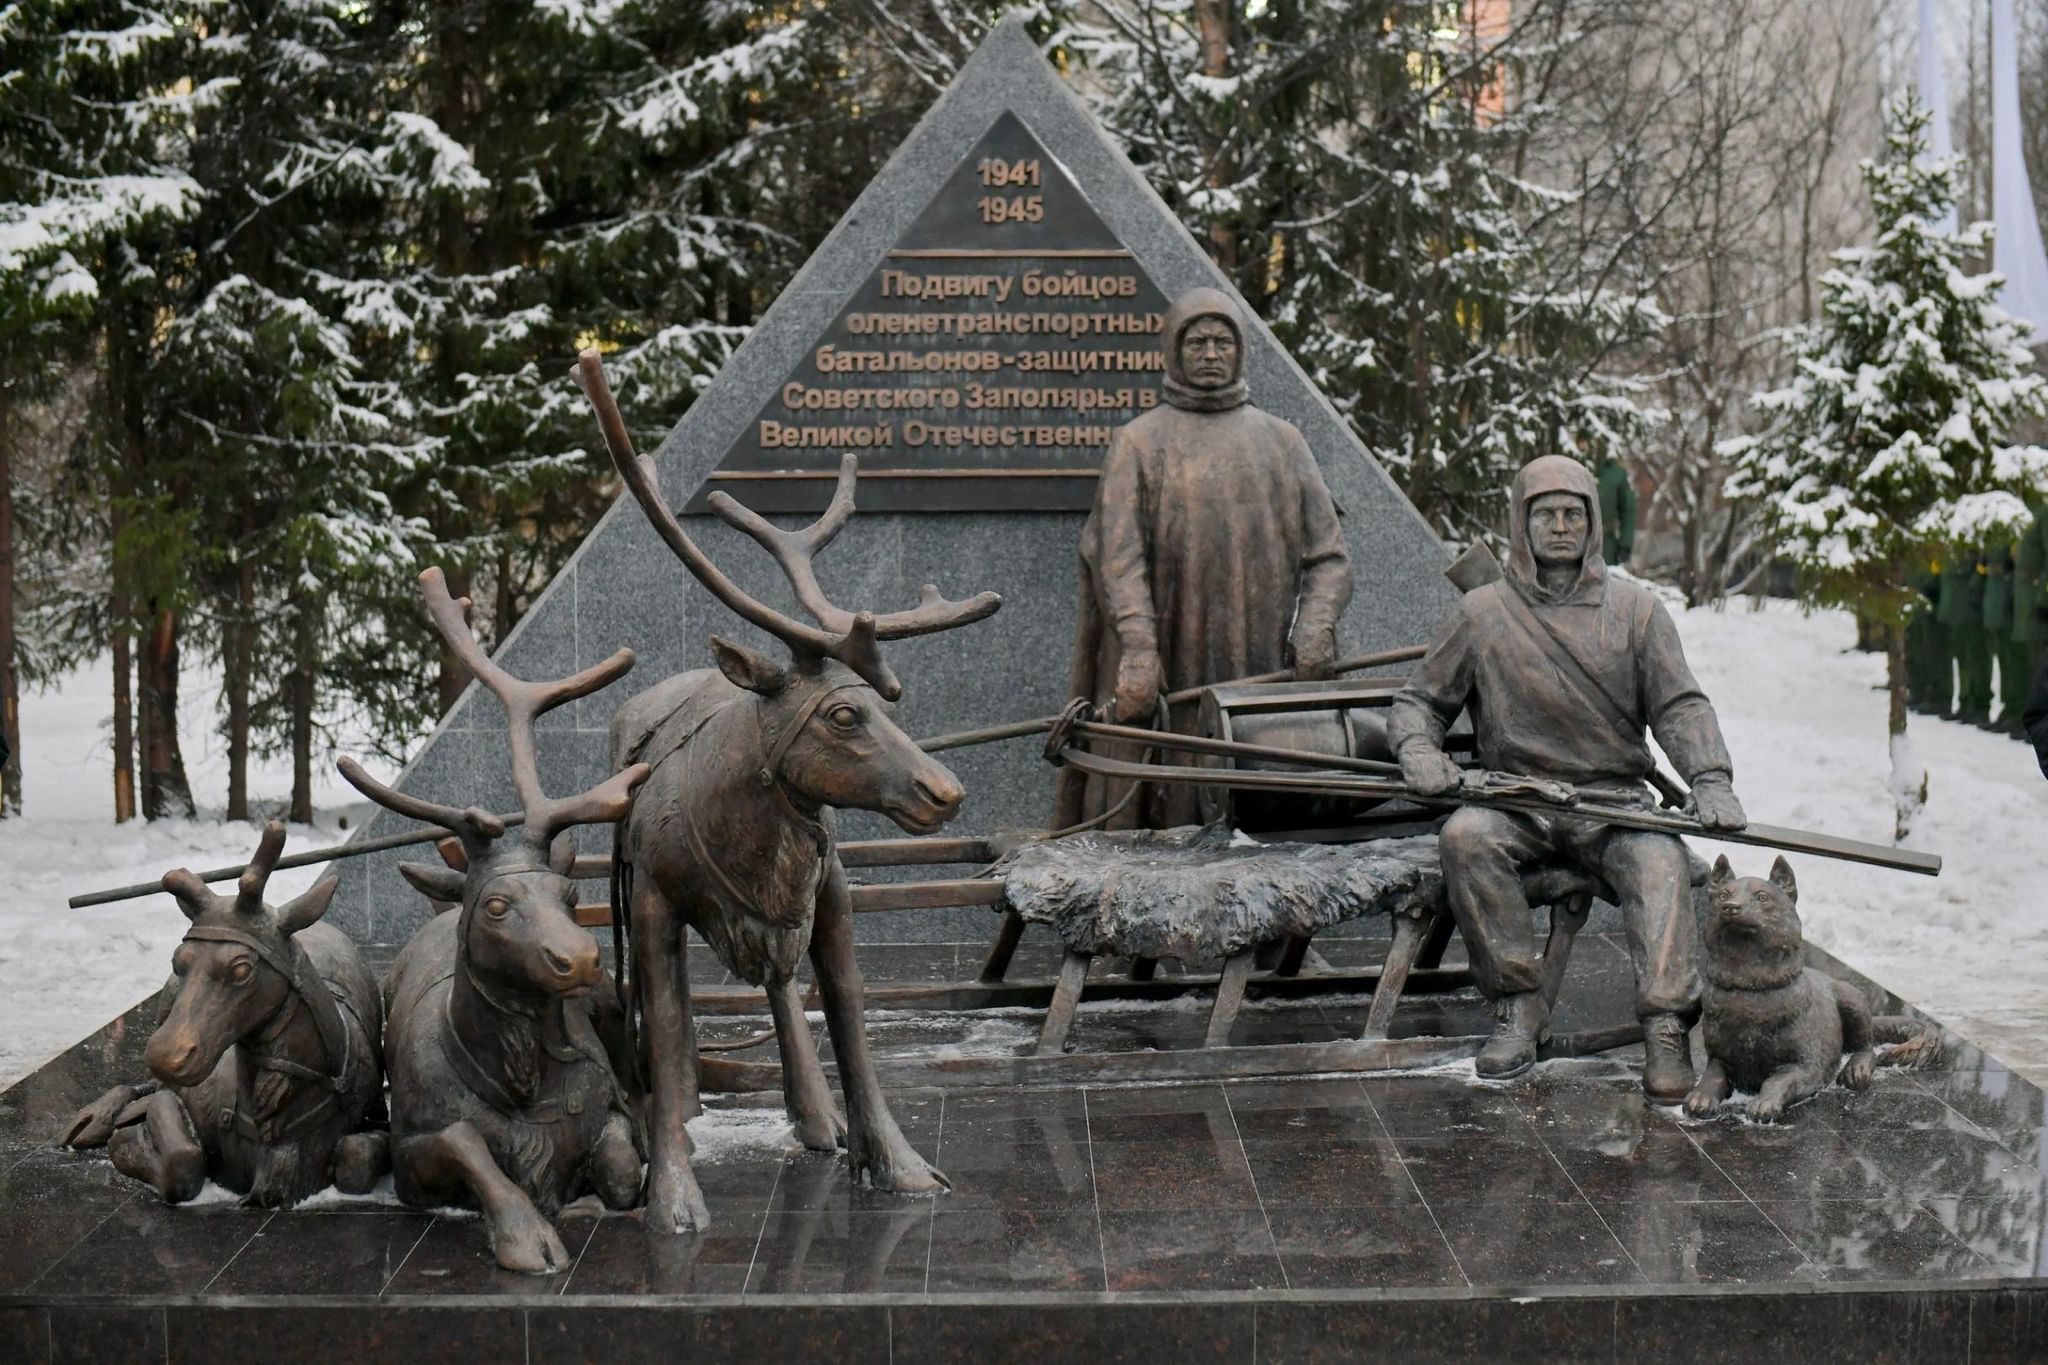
column 1722, row 874
column 1781, row 877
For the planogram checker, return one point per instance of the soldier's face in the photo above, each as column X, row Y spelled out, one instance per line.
column 1208, row 354
column 1557, row 529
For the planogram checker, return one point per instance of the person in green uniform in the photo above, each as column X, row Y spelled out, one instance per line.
column 1997, row 554
column 1962, row 612
column 1617, row 511
column 1930, row 671
column 2029, row 622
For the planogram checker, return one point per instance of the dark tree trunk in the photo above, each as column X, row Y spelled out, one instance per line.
column 1212, row 17
column 240, row 657
column 10, row 685
column 305, row 667
column 120, row 621
column 504, row 611
column 454, row 676
column 166, row 794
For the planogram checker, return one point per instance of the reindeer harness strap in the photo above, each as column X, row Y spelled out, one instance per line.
column 312, row 991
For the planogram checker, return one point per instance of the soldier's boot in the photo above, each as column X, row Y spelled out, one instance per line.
column 1667, row 1059
column 1520, row 1022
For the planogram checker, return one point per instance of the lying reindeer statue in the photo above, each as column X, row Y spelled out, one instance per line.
column 501, row 1093
column 267, row 1060
column 733, row 836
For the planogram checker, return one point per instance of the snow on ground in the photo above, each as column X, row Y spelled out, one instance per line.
column 1801, row 710
column 1805, row 721
column 64, row 972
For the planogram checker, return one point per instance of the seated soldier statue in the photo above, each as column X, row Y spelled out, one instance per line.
column 1563, row 667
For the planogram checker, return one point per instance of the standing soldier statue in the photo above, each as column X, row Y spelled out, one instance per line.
column 1617, row 512
column 1213, row 552
column 1563, row 667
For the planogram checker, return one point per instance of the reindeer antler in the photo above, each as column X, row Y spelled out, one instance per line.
column 249, row 891
column 850, row 637
column 475, row 827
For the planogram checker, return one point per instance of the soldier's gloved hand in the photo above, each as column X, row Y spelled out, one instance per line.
column 1315, row 654
column 1713, row 802
column 1137, row 686
column 1428, row 770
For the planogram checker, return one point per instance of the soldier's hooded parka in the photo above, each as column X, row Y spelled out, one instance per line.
column 1531, row 719
column 1213, row 540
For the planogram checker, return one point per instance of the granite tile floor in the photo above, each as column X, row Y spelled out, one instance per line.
column 1429, row 1181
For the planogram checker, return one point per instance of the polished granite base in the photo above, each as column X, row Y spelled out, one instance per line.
column 1422, row 1216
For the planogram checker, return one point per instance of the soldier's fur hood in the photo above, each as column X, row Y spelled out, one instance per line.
column 1554, row 474
column 1187, row 310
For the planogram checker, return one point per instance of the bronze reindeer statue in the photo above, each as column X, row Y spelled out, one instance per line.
column 502, row 1095
column 733, row 834
column 266, row 1061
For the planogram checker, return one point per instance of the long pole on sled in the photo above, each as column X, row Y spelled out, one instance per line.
column 1584, row 806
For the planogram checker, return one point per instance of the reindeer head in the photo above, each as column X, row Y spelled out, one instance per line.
column 237, row 964
column 518, row 928
column 827, row 733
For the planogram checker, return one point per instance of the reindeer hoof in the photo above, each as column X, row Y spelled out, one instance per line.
column 900, row 1172
column 824, row 1132
column 1765, row 1110
column 94, row 1124
column 1700, row 1103
column 675, row 1205
column 360, row 1161
column 1860, row 1070
column 526, row 1242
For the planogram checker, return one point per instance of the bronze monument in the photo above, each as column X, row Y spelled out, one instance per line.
column 1213, row 552
column 266, row 1062
column 502, row 1095
column 733, row 834
column 1563, row 667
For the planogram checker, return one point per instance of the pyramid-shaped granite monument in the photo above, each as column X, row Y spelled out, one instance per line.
column 1010, row 246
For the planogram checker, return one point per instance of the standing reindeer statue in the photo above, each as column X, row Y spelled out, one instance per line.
column 502, row 1094
column 266, row 1061
column 733, row 835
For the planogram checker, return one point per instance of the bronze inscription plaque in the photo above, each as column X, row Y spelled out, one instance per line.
column 982, row 366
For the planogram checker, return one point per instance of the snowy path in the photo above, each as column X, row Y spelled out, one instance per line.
column 1803, row 721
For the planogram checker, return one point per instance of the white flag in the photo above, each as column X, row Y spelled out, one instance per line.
column 2017, row 254
column 1934, row 94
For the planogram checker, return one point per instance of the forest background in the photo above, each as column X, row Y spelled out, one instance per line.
column 288, row 288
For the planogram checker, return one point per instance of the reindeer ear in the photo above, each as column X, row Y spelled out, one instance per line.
column 562, row 852
column 307, row 909
column 744, row 668
column 435, row 883
column 1781, row 877
column 1722, row 874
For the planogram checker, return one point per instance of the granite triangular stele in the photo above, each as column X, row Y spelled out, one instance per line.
column 994, row 501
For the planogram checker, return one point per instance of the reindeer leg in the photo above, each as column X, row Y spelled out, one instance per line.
column 94, row 1124
column 876, row 1150
column 819, row 1125
column 457, row 1160
column 674, row 1203
column 615, row 1165
column 153, row 1141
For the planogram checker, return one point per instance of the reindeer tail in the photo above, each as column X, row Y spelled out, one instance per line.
column 1911, row 1042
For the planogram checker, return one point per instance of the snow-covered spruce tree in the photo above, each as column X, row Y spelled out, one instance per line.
column 579, row 174
column 93, row 187
column 1353, row 164
column 293, row 440
column 1890, row 445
